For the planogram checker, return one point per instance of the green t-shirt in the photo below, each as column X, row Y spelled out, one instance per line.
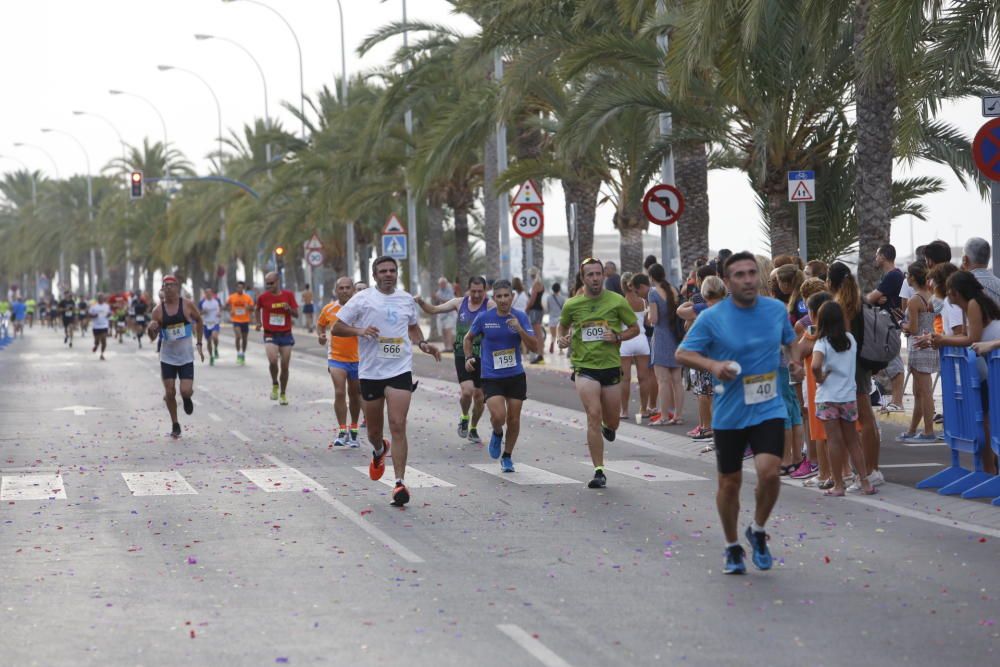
column 30, row 303
column 590, row 317
column 4, row 307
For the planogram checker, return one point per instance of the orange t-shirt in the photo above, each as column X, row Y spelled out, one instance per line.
column 342, row 348
column 240, row 307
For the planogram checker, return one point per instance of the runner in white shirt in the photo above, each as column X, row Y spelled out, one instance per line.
column 100, row 317
column 211, row 313
column 385, row 319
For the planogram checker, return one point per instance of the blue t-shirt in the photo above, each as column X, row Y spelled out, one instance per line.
column 19, row 310
column 752, row 337
column 500, row 347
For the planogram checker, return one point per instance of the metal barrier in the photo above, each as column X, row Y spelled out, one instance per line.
column 963, row 424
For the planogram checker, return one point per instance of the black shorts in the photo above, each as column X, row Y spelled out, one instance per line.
column 171, row 372
column 68, row 321
column 767, row 437
column 99, row 331
column 607, row 377
column 308, row 309
column 515, row 387
column 242, row 326
column 465, row 376
column 374, row 390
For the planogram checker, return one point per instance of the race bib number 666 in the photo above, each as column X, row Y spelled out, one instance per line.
column 390, row 348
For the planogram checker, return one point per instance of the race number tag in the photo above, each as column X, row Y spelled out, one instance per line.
column 504, row 359
column 760, row 388
column 239, row 311
column 592, row 332
column 176, row 331
column 276, row 319
column 390, row 348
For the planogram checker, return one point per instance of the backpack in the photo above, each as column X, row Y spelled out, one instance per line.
column 881, row 338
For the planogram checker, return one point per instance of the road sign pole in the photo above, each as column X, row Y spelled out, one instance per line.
column 529, row 253
column 669, row 238
column 351, row 251
column 803, row 244
column 995, row 208
column 503, row 208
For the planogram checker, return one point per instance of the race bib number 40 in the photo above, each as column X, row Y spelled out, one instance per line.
column 591, row 332
column 504, row 359
column 760, row 388
column 390, row 348
column 276, row 320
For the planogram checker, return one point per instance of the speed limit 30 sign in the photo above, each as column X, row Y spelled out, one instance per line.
column 528, row 221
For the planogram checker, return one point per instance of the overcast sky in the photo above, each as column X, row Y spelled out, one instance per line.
column 64, row 55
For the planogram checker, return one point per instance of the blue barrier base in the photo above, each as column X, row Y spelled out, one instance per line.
column 996, row 501
column 987, row 489
column 964, row 484
column 943, row 478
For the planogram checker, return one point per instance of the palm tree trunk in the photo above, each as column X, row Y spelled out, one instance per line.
column 435, row 238
column 691, row 172
column 876, row 105
column 491, row 209
column 582, row 192
column 462, row 244
column 783, row 226
column 631, row 223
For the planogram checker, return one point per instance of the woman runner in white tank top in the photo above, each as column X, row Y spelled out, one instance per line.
column 635, row 350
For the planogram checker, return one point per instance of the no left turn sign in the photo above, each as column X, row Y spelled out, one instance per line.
column 663, row 204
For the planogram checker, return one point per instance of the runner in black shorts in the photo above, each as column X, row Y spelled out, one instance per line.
column 503, row 331
column 738, row 340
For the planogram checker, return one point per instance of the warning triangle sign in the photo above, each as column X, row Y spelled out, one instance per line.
column 802, row 193
column 527, row 195
column 314, row 243
column 393, row 226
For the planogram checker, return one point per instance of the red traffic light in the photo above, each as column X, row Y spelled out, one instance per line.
column 280, row 250
column 135, row 184
column 136, row 177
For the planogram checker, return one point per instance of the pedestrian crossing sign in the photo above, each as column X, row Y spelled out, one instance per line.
column 394, row 245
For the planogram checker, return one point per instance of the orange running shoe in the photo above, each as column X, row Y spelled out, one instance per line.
column 377, row 467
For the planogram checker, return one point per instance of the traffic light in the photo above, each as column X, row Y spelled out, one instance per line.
column 135, row 183
column 279, row 254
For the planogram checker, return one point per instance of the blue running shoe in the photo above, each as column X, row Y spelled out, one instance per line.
column 734, row 561
column 496, row 441
column 761, row 556
column 506, row 464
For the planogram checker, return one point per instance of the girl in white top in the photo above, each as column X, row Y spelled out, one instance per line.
column 834, row 364
column 635, row 350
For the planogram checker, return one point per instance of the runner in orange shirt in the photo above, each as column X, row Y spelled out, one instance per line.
column 343, row 365
column 240, row 306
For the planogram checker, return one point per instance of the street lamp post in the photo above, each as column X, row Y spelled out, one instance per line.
column 114, row 128
column 152, row 106
column 55, row 167
column 218, row 107
column 298, row 46
column 411, row 202
column 90, row 204
column 263, row 79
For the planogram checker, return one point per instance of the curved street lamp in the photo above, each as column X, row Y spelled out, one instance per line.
column 218, row 107
column 107, row 122
column 55, row 165
column 152, row 106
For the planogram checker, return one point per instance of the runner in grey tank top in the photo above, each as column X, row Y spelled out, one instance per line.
column 173, row 321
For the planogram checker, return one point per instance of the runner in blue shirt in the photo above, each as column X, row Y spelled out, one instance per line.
column 505, row 387
column 739, row 341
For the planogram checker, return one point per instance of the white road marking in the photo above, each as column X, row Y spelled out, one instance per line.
column 239, row 435
column 282, row 479
column 524, row 475
column 358, row 521
column 78, row 410
column 169, row 483
column 328, row 401
column 32, row 486
column 415, row 479
column 537, row 649
column 923, row 444
column 910, row 465
column 647, row 471
column 214, row 417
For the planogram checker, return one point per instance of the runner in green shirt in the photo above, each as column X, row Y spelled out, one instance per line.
column 596, row 322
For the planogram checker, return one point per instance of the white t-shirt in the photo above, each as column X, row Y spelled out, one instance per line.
column 99, row 313
column 951, row 317
column 211, row 311
column 840, row 385
column 390, row 353
column 906, row 292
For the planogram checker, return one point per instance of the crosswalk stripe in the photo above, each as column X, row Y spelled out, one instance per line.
column 169, row 483
column 32, row 486
column 647, row 471
column 280, row 480
column 415, row 479
column 525, row 475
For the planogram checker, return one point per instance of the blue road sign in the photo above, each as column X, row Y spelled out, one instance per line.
column 394, row 245
column 802, row 175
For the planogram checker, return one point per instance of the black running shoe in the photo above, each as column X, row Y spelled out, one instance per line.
column 735, row 563
column 176, row 431
column 400, row 495
column 599, row 481
column 188, row 405
column 609, row 434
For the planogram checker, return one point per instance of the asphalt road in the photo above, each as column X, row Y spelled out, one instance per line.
column 252, row 541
